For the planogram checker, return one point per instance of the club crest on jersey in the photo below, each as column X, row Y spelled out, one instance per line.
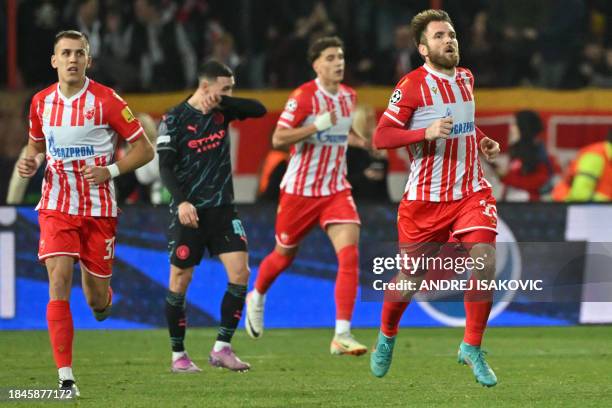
column 89, row 113
column 291, row 105
column 434, row 89
column 396, row 96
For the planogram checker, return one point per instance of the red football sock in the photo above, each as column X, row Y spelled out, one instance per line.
column 477, row 302
column 477, row 308
column 270, row 268
column 346, row 282
column 61, row 331
column 391, row 315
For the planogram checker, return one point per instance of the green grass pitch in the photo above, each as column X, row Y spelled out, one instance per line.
column 293, row 368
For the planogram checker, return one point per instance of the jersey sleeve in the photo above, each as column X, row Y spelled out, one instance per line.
column 404, row 101
column 167, row 135
column 297, row 109
column 35, row 131
column 122, row 120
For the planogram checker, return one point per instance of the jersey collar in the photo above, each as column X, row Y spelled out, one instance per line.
column 331, row 95
column 76, row 95
column 439, row 74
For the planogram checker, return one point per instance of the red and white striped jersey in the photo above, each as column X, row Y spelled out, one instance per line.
column 78, row 131
column 445, row 169
column 317, row 166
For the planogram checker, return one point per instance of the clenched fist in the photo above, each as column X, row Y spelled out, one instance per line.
column 439, row 129
column 95, row 174
column 28, row 166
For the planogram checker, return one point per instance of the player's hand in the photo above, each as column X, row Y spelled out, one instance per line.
column 490, row 148
column 210, row 101
column 188, row 215
column 325, row 120
column 95, row 174
column 28, row 166
column 440, row 129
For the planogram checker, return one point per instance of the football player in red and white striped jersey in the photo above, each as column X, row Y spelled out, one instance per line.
column 74, row 124
column 317, row 124
column 431, row 114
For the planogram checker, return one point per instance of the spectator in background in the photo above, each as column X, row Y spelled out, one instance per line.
column 514, row 30
column 402, row 56
column 479, row 55
column 531, row 169
column 367, row 167
column 560, row 37
column 223, row 50
column 86, row 20
column 159, row 46
column 589, row 177
column 38, row 22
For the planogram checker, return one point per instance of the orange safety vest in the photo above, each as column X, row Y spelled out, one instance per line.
column 604, row 184
column 272, row 160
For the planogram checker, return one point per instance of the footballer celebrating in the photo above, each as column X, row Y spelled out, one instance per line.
column 431, row 112
column 195, row 166
column 74, row 125
column 317, row 124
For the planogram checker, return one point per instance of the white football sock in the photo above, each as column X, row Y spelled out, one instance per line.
column 176, row 355
column 258, row 297
column 343, row 326
column 220, row 345
column 65, row 373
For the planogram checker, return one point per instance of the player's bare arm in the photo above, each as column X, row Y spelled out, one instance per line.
column 356, row 139
column 34, row 157
column 140, row 154
column 283, row 137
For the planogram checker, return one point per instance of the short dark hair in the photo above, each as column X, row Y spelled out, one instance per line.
column 72, row 34
column 420, row 21
column 321, row 44
column 212, row 69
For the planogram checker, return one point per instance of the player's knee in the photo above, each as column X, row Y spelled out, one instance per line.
column 240, row 275
column 484, row 261
column 348, row 257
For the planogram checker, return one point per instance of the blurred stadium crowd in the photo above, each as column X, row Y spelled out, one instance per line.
column 155, row 45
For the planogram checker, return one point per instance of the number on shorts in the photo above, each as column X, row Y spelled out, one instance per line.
column 489, row 209
column 110, row 248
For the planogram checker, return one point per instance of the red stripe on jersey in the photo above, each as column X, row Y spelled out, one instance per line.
column 300, row 169
column 452, row 168
column 60, row 113
column 333, row 182
column 86, row 191
column 48, row 186
column 430, row 165
column 464, row 94
column 470, row 185
column 109, row 199
column 63, row 203
column 445, row 167
column 421, row 181
column 441, row 88
column 315, row 105
column 54, row 109
column 79, row 184
column 98, row 113
column 449, row 91
column 467, row 165
column 427, row 93
column 102, row 192
column 330, row 103
column 81, row 114
column 320, row 174
column 73, row 116
column 344, row 106
column 306, row 166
